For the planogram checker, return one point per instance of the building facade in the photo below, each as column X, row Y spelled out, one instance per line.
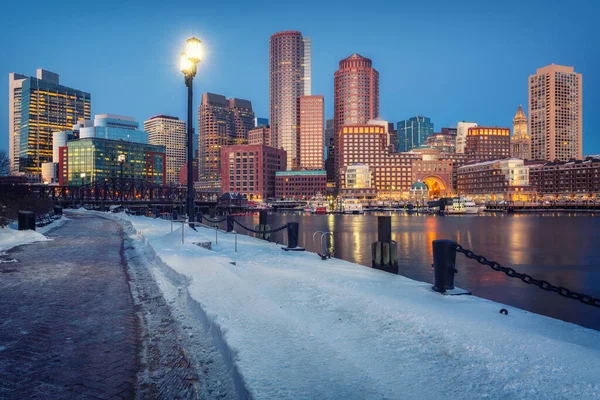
column 444, row 141
column 289, row 78
column 462, row 130
column 300, row 185
column 488, row 143
column 260, row 135
column 113, row 127
column 434, row 170
column 261, row 122
column 520, row 143
column 561, row 180
column 169, row 132
column 311, row 132
column 555, row 114
column 496, row 180
column 413, row 132
column 39, row 107
column 250, row 169
column 98, row 159
column 222, row 122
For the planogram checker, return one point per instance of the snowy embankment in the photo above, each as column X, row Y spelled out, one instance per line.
column 297, row 327
column 11, row 237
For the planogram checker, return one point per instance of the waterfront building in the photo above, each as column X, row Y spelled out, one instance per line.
column 520, row 143
column 462, row 130
column 458, row 160
column 300, row 185
column 419, row 193
column 496, row 180
column 570, row 179
column 311, row 132
column 171, row 133
column 413, row 132
column 488, row 143
column 289, row 78
column 433, row 170
column 358, row 176
column 113, row 127
column 98, row 159
column 261, row 122
column 555, row 114
column 391, row 173
column 444, row 141
column 260, row 135
column 222, row 122
column 39, row 107
column 250, row 169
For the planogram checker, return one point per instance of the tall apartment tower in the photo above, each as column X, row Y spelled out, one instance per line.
column 311, row 132
column 555, row 114
column 169, row 132
column 222, row 122
column 413, row 132
column 356, row 96
column 520, row 143
column 38, row 107
column 462, row 130
column 289, row 78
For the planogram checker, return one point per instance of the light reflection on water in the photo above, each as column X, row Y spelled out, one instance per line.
column 559, row 248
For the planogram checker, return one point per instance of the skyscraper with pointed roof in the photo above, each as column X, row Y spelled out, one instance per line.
column 520, row 143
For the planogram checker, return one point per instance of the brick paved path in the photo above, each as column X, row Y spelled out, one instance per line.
column 67, row 320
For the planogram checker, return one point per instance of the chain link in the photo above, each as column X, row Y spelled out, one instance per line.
column 544, row 285
column 216, row 221
column 263, row 232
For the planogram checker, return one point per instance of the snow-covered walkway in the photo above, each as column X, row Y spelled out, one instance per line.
column 297, row 327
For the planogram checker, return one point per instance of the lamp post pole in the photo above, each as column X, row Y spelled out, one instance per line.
column 189, row 60
column 121, row 161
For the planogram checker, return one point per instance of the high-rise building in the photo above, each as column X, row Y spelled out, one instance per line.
column 488, row 143
column 311, row 132
column 393, row 137
column 222, row 122
column 171, row 133
column 300, row 185
column 555, row 114
column 250, row 169
column 289, row 78
column 114, row 127
column 413, row 132
column 329, row 132
column 38, row 107
column 520, row 143
column 260, row 122
column 462, row 130
column 260, row 135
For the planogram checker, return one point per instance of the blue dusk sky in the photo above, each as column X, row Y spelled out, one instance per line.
column 448, row 60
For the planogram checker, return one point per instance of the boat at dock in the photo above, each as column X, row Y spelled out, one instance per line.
column 462, row 205
column 352, row 206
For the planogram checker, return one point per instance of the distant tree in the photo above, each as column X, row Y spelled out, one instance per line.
column 4, row 163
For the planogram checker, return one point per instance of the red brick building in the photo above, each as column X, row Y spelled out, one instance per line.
column 250, row 169
column 260, row 135
column 565, row 179
column 496, row 180
column 312, row 132
column 488, row 143
column 300, row 185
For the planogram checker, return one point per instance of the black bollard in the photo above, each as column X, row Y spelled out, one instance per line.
column 384, row 229
column 444, row 259
column 26, row 220
column 58, row 210
column 262, row 217
column 212, row 212
column 384, row 252
column 262, row 225
column 292, row 233
column 230, row 220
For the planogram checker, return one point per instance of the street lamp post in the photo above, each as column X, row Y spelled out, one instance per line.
column 82, row 175
column 189, row 61
column 121, row 162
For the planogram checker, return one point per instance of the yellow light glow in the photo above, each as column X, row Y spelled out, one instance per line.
column 194, row 50
column 185, row 64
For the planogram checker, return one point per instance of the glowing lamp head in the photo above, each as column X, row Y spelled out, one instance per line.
column 186, row 65
column 121, row 157
column 193, row 49
column 82, row 175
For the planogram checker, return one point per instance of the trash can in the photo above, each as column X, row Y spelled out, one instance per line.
column 26, row 220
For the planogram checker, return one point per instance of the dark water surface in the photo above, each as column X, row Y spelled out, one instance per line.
column 561, row 248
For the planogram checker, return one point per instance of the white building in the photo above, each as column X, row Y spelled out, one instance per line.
column 462, row 129
column 358, row 176
column 169, row 132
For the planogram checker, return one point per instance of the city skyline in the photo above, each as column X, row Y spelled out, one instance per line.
column 447, row 91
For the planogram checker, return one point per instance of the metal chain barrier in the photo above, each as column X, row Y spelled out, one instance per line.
column 261, row 232
column 216, row 221
column 544, row 285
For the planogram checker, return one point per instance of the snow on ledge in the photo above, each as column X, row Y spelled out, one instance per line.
column 10, row 237
column 300, row 327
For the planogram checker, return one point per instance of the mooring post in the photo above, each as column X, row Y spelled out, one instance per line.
column 230, row 220
column 384, row 251
column 444, row 261
column 292, row 234
column 263, row 225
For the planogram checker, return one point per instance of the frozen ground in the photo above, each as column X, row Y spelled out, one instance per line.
column 291, row 326
column 11, row 237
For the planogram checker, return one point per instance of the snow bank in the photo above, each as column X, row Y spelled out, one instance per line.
column 298, row 327
column 10, row 237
